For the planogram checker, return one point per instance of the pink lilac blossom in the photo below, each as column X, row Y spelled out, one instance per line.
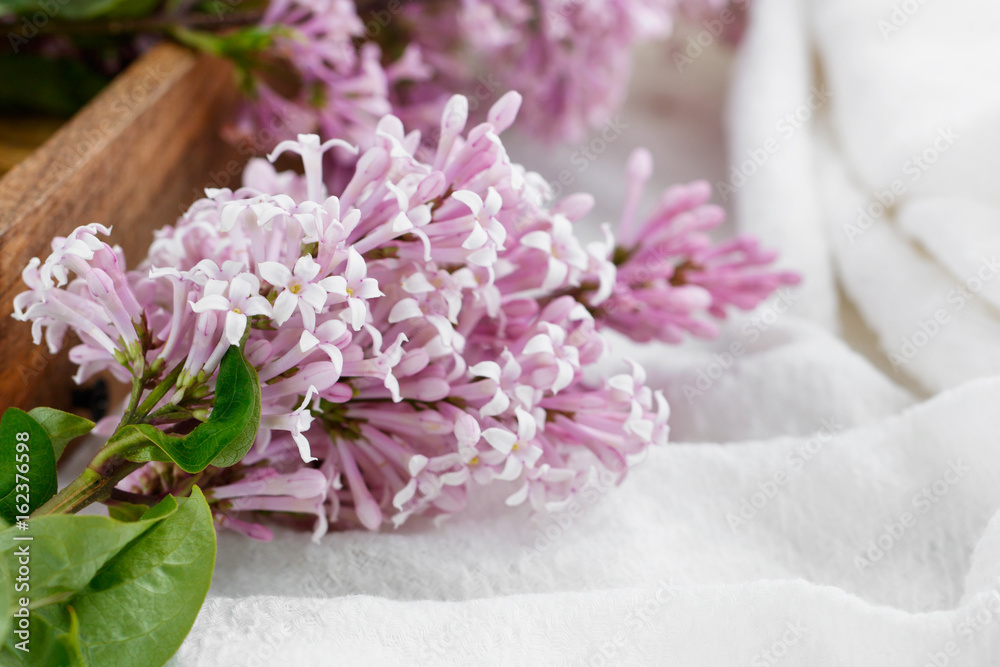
column 341, row 91
column 419, row 328
column 571, row 59
column 355, row 62
column 677, row 278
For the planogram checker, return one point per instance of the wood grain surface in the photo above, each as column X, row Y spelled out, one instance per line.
column 21, row 136
column 133, row 159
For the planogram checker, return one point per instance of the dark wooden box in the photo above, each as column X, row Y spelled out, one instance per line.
column 134, row 158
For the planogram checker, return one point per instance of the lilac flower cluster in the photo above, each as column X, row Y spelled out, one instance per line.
column 425, row 325
column 342, row 90
column 571, row 59
column 356, row 62
column 676, row 279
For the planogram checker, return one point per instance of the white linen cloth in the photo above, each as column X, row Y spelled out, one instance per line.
column 850, row 518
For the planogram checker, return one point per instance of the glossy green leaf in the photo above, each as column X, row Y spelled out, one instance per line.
column 66, row 552
column 62, row 427
column 68, row 549
column 227, row 435
column 134, row 603
column 27, row 464
column 164, row 577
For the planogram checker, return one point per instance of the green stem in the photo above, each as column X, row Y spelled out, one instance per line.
column 103, row 473
column 88, row 488
column 74, row 496
column 110, row 465
column 170, row 415
column 133, row 400
column 159, row 391
column 184, row 489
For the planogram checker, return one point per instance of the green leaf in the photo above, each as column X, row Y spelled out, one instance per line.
column 127, row 512
column 240, row 45
column 27, row 464
column 226, row 437
column 134, row 603
column 42, row 649
column 62, row 427
column 67, row 550
column 51, row 86
column 6, row 599
column 69, row 641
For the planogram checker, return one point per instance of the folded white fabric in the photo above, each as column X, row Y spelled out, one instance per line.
column 846, row 547
column 892, row 176
column 846, row 521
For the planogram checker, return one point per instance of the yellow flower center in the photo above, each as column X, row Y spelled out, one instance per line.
column 350, row 292
column 237, row 311
column 515, row 447
column 295, row 289
column 474, row 461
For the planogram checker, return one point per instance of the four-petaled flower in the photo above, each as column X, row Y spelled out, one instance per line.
column 299, row 290
column 562, row 247
column 240, row 298
column 486, row 229
column 354, row 287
